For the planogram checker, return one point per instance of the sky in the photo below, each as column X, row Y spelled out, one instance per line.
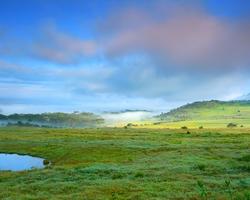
column 94, row 56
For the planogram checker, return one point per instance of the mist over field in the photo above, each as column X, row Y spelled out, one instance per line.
column 129, row 116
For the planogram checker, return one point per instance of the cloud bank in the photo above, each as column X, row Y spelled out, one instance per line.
column 151, row 56
column 184, row 36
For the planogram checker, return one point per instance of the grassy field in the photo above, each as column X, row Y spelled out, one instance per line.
column 118, row 163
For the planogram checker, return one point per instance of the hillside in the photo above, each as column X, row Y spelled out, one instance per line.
column 245, row 97
column 209, row 113
column 76, row 120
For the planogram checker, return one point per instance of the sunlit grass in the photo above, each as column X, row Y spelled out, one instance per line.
column 119, row 163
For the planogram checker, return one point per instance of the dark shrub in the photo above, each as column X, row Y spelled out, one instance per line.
column 129, row 124
column 244, row 168
column 139, row 175
column 201, row 127
column 46, row 162
column 231, row 125
column 117, row 176
column 245, row 158
column 184, row 127
column 201, row 167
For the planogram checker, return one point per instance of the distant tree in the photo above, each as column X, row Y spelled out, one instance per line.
column 3, row 117
column 129, row 124
column 184, row 127
column 201, row 127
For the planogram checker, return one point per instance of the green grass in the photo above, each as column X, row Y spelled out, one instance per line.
column 117, row 163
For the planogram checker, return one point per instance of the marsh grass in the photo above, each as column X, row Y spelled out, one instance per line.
column 118, row 163
column 202, row 190
column 200, row 167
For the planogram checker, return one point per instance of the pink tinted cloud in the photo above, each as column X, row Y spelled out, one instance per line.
column 62, row 48
column 186, row 36
column 49, row 44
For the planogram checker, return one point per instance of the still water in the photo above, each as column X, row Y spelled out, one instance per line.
column 15, row 162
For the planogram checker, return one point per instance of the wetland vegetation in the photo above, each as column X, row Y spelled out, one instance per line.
column 132, row 163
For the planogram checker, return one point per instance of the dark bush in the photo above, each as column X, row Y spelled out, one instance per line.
column 139, row 175
column 231, row 125
column 46, row 162
column 245, row 158
column 244, row 168
column 117, row 176
column 201, row 167
column 129, row 124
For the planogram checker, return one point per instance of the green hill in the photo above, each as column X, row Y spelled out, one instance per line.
column 209, row 113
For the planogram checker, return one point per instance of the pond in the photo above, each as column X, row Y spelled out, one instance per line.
column 15, row 162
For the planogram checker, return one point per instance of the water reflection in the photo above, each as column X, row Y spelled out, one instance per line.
column 15, row 162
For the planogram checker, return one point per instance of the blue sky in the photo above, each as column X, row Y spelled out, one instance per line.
column 112, row 55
